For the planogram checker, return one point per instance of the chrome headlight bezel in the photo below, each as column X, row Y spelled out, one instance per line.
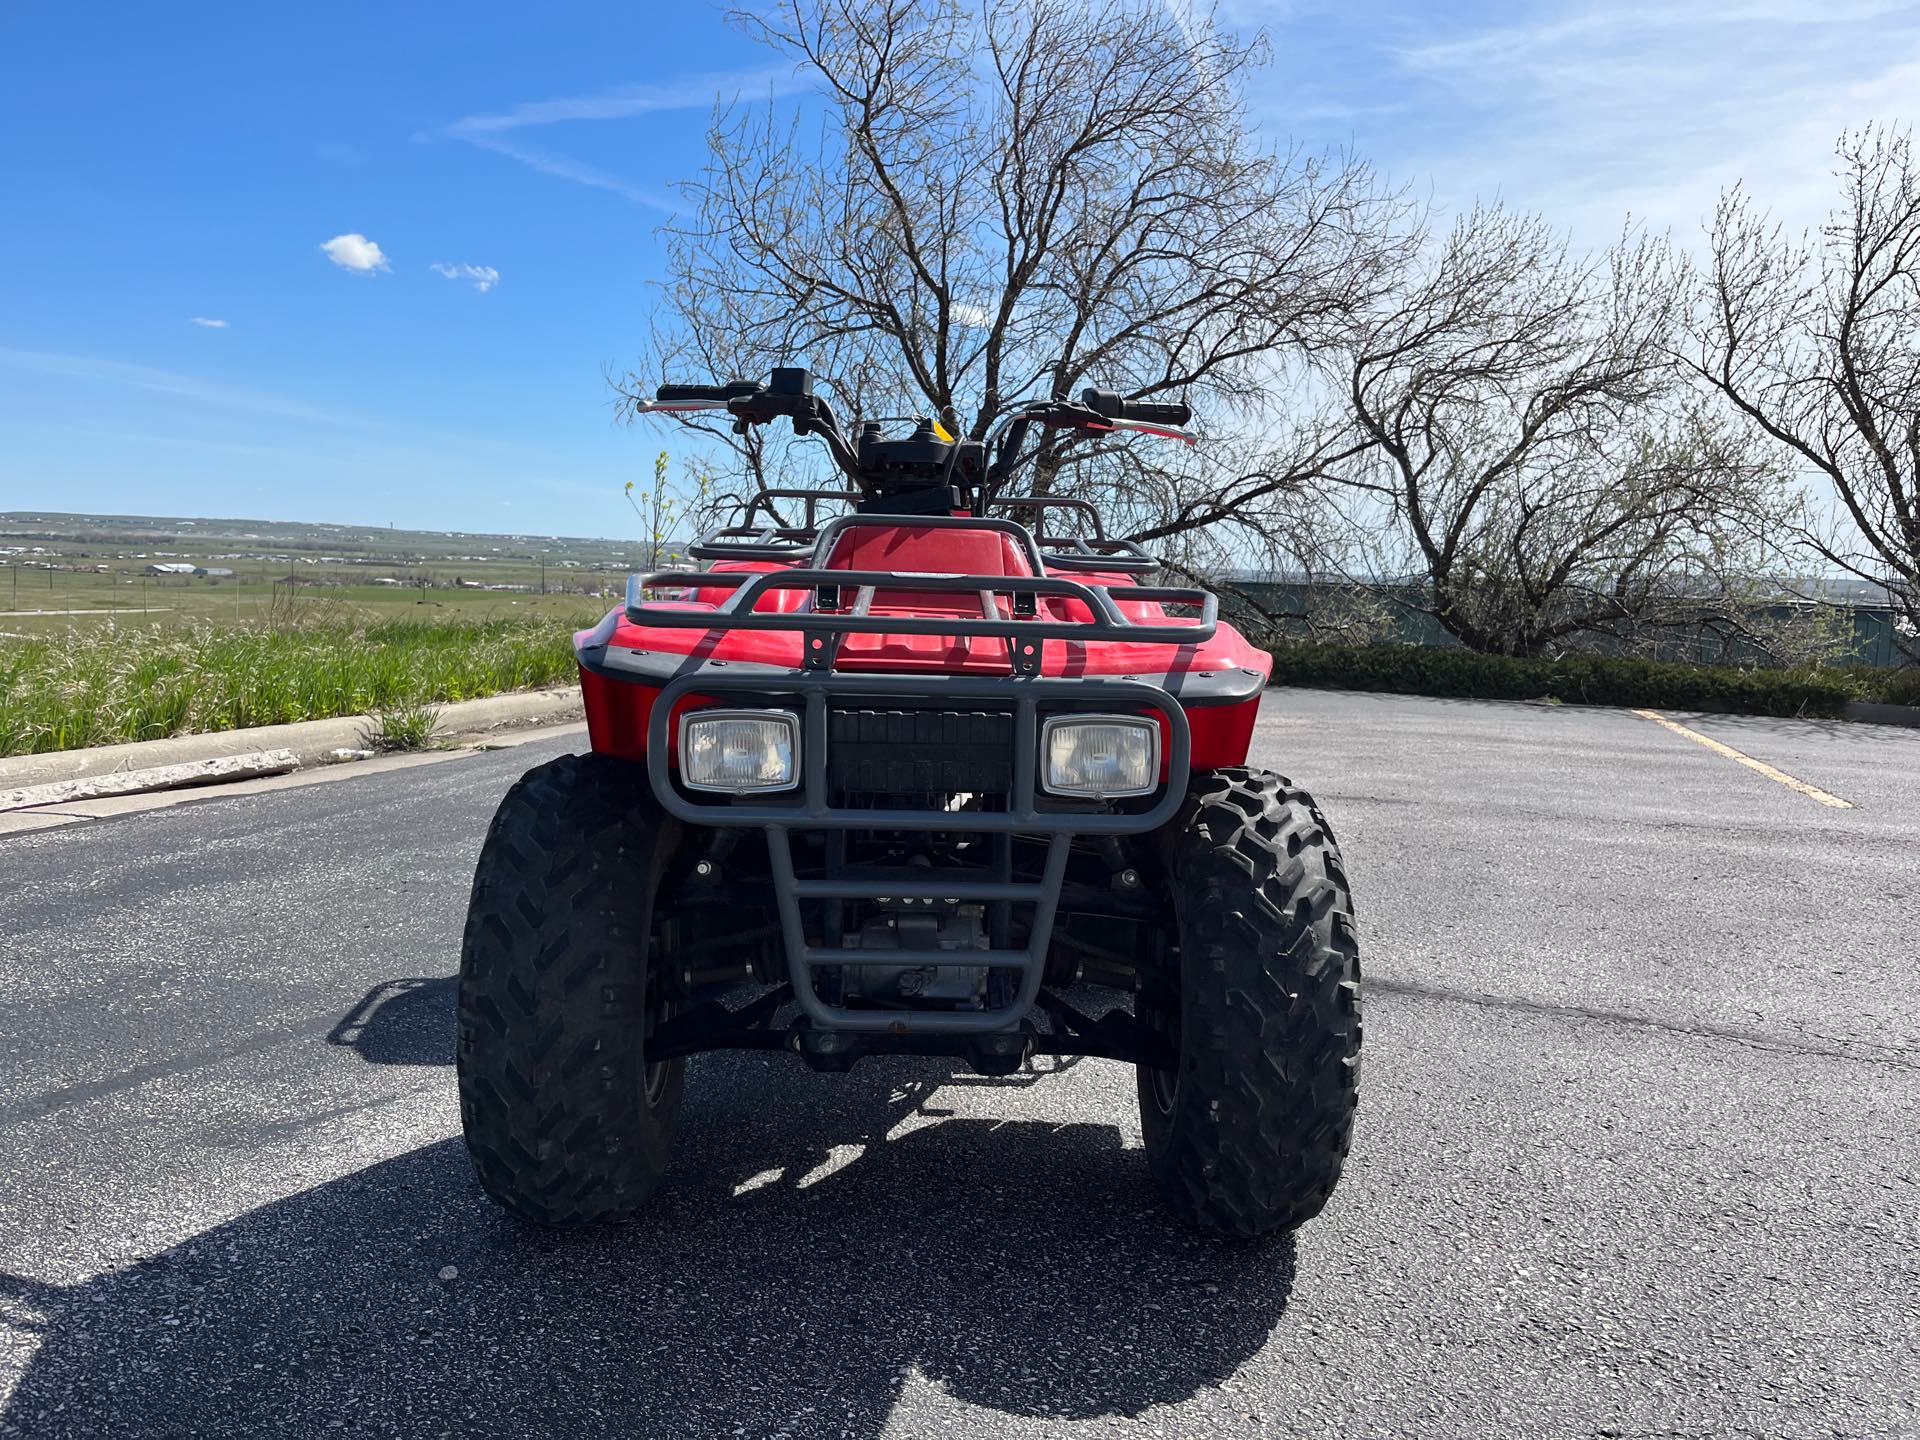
column 1146, row 725
column 693, row 719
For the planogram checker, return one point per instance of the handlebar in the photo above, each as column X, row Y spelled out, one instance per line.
column 789, row 393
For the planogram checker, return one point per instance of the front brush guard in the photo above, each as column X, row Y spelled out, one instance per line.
column 812, row 808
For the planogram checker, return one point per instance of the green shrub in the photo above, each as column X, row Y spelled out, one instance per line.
column 1577, row 680
column 1901, row 687
column 1888, row 685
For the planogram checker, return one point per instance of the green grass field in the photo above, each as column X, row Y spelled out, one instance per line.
column 94, row 651
column 112, row 681
column 42, row 602
column 66, row 572
column 171, row 603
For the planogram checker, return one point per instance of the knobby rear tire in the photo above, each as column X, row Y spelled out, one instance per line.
column 564, row 1119
column 1249, row 1134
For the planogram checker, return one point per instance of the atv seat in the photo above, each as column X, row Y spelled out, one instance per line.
column 926, row 549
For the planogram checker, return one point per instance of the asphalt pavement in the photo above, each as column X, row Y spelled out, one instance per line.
column 1638, row 1152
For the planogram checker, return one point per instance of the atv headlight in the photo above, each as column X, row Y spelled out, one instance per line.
column 739, row 750
column 1101, row 756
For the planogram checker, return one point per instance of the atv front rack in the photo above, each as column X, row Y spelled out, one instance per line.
column 816, row 689
column 823, row 624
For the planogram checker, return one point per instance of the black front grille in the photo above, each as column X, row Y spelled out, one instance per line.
column 920, row 752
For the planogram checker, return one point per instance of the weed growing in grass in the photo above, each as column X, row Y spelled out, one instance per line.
column 404, row 727
column 113, row 683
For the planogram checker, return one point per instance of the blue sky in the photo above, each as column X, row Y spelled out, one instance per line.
column 166, row 164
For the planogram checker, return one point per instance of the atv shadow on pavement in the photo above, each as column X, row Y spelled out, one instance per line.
column 401, row 1022
column 827, row 1249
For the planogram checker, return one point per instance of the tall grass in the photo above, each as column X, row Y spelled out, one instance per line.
column 104, row 685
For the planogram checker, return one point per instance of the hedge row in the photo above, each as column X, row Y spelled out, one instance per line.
column 1886, row 684
column 1579, row 680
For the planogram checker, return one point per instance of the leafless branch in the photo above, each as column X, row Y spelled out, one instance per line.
column 1817, row 343
column 1015, row 198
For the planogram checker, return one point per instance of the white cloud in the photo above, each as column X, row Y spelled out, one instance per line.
column 563, row 168
column 1591, row 110
column 209, row 324
column 693, row 92
column 174, row 387
column 491, row 132
column 484, row 277
column 356, row 253
column 1594, row 110
column 350, row 433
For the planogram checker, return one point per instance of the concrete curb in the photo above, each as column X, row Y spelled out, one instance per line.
column 1872, row 712
column 309, row 740
column 220, row 770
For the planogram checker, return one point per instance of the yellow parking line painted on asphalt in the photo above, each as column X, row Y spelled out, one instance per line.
column 1812, row 792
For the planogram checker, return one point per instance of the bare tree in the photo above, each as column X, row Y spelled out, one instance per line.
column 1535, row 452
column 1013, row 199
column 1818, row 344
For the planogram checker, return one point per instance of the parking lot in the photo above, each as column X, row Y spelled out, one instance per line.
column 1638, row 1153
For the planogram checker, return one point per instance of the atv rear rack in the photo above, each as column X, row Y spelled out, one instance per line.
column 774, row 540
column 824, row 622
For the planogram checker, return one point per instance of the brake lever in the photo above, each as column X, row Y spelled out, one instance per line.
column 1078, row 417
column 675, row 407
column 1144, row 427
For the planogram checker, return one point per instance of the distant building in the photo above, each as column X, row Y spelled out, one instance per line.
column 211, row 572
column 169, row 567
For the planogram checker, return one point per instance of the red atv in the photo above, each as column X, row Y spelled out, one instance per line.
column 904, row 782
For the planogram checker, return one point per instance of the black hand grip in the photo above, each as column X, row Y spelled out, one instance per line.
column 1111, row 404
column 707, row 392
column 1176, row 412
